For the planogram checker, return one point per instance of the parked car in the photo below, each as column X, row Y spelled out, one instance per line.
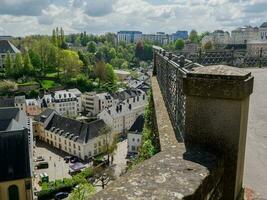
column 39, row 158
column 61, row 195
column 67, row 158
column 42, row 165
column 73, row 159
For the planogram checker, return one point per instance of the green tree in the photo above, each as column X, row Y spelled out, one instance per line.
column 18, row 65
column 111, row 77
column 91, row 47
column 193, row 37
column 8, row 64
column 179, row 44
column 28, row 68
column 71, row 64
column 110, row 143
column 100, row 70
column 208, row 45
column 54, row 38
column 83, row 191
column 139, row 50
column 35, row 60
column 111, row 54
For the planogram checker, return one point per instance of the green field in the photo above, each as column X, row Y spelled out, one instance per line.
column 49, row 84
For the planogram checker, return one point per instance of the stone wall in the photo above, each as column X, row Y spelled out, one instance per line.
column 173, row 173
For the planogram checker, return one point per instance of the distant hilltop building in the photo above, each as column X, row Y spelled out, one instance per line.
column 5, row 48
column 183, row 35
column 129, row 36
column 258, row 47
column 158, row 38
column 217, row 38
column 244, row 35
column 5, row 37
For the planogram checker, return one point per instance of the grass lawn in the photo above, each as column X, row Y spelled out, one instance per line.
column 48, row 84
column 28, row 83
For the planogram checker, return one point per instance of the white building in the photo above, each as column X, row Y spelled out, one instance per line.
column 33, row 107
column 158, row 38
column 122, row 116
column 218, row 37
column 94, row 103
column 64, row 102
column 259, row 46
column 134, row 136
column 129, row 36
column 20, row 102
column 244, row 35
column 80, row 139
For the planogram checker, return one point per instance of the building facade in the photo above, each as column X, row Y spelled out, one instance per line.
column 158, row 38
column 258, row 47
column 121, row 116
column 134, row 136
column 179, row 35
column 80, row 139
column 16, row 155
column 217, row 38
column 244, row 35
column 129, row 36
column 64, row 102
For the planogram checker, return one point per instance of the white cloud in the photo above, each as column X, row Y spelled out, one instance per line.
column 21, row 17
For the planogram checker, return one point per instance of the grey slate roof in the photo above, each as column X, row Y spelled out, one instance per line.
column 138, row 125
column 6, row 46
column 264, row 25
column 44, row 115
column 72, row 129
column 6, row 102
column 14, row 148
column 126, row 94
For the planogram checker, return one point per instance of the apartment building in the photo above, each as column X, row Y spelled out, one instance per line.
column 158, row 38
column 121, row 116
column 33, row 107
column 20, row 102
column 65, row 102
column 129, row 36
column 80, row 139
column 218, row 37
column 94, row 103
column 16, row 156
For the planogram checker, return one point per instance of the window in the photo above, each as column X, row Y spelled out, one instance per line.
column 95, row 151
column 138, row 140
column 13, row 192
column 75, row 152
column 65, row 142
column 79, row 148
column 59, row 139
column 133, row 148
column 74, row 146
column 89, row 154
column 95, row 145
column 133, row 139
column 69, row 144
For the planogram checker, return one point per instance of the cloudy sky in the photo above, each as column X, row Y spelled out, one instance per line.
column 27, row 17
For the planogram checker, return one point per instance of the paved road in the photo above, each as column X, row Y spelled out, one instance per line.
column 256, row 150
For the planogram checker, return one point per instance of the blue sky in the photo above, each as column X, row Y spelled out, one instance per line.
column 26, row 17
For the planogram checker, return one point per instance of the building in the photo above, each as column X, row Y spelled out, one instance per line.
column 65, row 102
column 78, row 95
column 244, row 35
column 183, row 35
column 7, row 102
column 5, row 37
column 33, row 107
column 94, row 103
column 121, row 74
column 20, row 102
column 158, row 38
column 80, row 139
column 259, row 46
column 129, row 36
column 134, row 136
column 217, row 38
column 5, row 48
column 121, row 116
column 15, row 155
